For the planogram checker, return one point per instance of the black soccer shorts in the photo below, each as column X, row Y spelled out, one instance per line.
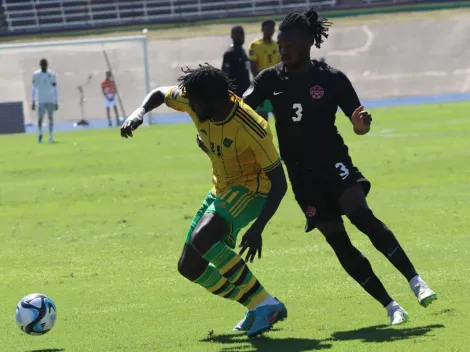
column 318, row 186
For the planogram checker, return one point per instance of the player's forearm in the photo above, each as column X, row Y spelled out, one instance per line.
column 33, row 94
column 274, row 198
column 254, row 69
column 155, row 98
column 56, row 95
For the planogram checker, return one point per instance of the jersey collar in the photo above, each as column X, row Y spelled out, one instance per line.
column 234, row 99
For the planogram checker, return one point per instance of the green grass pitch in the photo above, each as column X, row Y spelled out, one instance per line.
column 98, row 222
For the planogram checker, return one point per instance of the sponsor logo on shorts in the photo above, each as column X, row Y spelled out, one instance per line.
column 317, row 92
column 310, row 211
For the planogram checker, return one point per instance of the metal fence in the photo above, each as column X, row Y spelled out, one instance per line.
column 46, row 15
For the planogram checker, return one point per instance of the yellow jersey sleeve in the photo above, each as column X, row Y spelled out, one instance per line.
column 176, row 100
column 252, row 56
column 260, row 139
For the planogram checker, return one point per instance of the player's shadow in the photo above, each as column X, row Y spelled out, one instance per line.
column 383, row 333
column 241, row 343
column 48, row 350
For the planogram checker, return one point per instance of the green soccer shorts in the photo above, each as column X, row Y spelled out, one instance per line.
column 267, row 107
column 237, row 205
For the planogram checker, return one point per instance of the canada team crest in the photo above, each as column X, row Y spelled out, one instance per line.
column 317, row 92
column 310, row 211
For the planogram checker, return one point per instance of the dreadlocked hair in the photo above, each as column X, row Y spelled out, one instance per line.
column 308, row 21
column 205, row 82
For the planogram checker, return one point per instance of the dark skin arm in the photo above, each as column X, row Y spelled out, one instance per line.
column 152, row 101
column 252, row 239
column 351, row 106
column 254, row 69
column 227, row 63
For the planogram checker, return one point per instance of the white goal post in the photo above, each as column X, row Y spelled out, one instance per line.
column 76, row 63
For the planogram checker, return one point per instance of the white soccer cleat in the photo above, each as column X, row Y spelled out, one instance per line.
column 422, row 291
column 397, row 315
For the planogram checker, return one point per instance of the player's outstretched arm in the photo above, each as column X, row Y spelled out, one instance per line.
column 252, row 239
column 153, row 100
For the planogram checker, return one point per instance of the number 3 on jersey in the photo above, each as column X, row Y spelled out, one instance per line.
column 343, row 170
column 298, row 112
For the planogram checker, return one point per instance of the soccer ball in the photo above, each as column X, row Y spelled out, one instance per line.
column 35, row 314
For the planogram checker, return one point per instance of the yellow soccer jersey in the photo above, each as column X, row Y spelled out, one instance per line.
column 240, row 147
column 265, row 54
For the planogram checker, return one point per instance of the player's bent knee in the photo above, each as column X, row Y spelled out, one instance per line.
column 365, row 221
column 338, row 240
column 191, row 265
column 210, row 230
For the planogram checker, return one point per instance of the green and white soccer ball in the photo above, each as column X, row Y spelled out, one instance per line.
column 35, row 314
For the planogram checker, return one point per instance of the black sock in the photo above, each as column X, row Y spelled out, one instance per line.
column 357, row 266
column 384, row 240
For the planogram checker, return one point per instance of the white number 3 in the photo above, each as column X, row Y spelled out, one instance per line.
column 344, row 172
column 298, row 112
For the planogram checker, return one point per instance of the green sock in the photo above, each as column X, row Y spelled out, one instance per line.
column 234, row 268
column 218, row 285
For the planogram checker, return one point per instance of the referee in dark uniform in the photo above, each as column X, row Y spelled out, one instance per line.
column 235, row 62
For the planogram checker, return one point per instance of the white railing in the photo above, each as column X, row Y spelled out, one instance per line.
column 30, row 14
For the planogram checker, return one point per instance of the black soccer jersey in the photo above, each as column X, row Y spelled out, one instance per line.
column 236, row 65
column 305, row 106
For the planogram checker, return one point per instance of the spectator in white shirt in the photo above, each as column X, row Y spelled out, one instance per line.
column 44, row 95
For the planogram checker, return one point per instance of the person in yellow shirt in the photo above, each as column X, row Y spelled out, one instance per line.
column 264, row 53
column 248, row 184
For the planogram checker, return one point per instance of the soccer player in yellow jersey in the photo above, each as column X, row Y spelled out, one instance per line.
column 249, row 184
column 264, row 53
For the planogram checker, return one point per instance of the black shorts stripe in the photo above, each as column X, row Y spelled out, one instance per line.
column 234, row 269
column 249, row 293
column 242, row 276
column 253, row 125
column 221, row 288
column 253, row 121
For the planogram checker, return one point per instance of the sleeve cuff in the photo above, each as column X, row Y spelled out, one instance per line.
column 272, row 166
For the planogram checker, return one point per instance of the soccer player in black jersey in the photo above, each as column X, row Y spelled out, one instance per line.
column 305, row 95
column 235, row 62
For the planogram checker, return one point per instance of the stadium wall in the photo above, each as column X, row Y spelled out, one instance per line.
column 346, row 8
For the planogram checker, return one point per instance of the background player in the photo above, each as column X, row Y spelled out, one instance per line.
column 44, row 93
column 249, row 184
column 264, row 53
column 306, row 95
column 109, row 91
column 235, row 62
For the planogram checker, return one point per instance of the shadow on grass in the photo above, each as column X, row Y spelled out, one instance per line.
column 238, row 342
column 241, row 343
column 383, row 333
column 48, row 350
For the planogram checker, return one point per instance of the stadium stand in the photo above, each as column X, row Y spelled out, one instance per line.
column 37, row 15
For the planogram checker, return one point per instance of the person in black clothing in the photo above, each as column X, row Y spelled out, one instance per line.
column 235, row 62
column 305, row 95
